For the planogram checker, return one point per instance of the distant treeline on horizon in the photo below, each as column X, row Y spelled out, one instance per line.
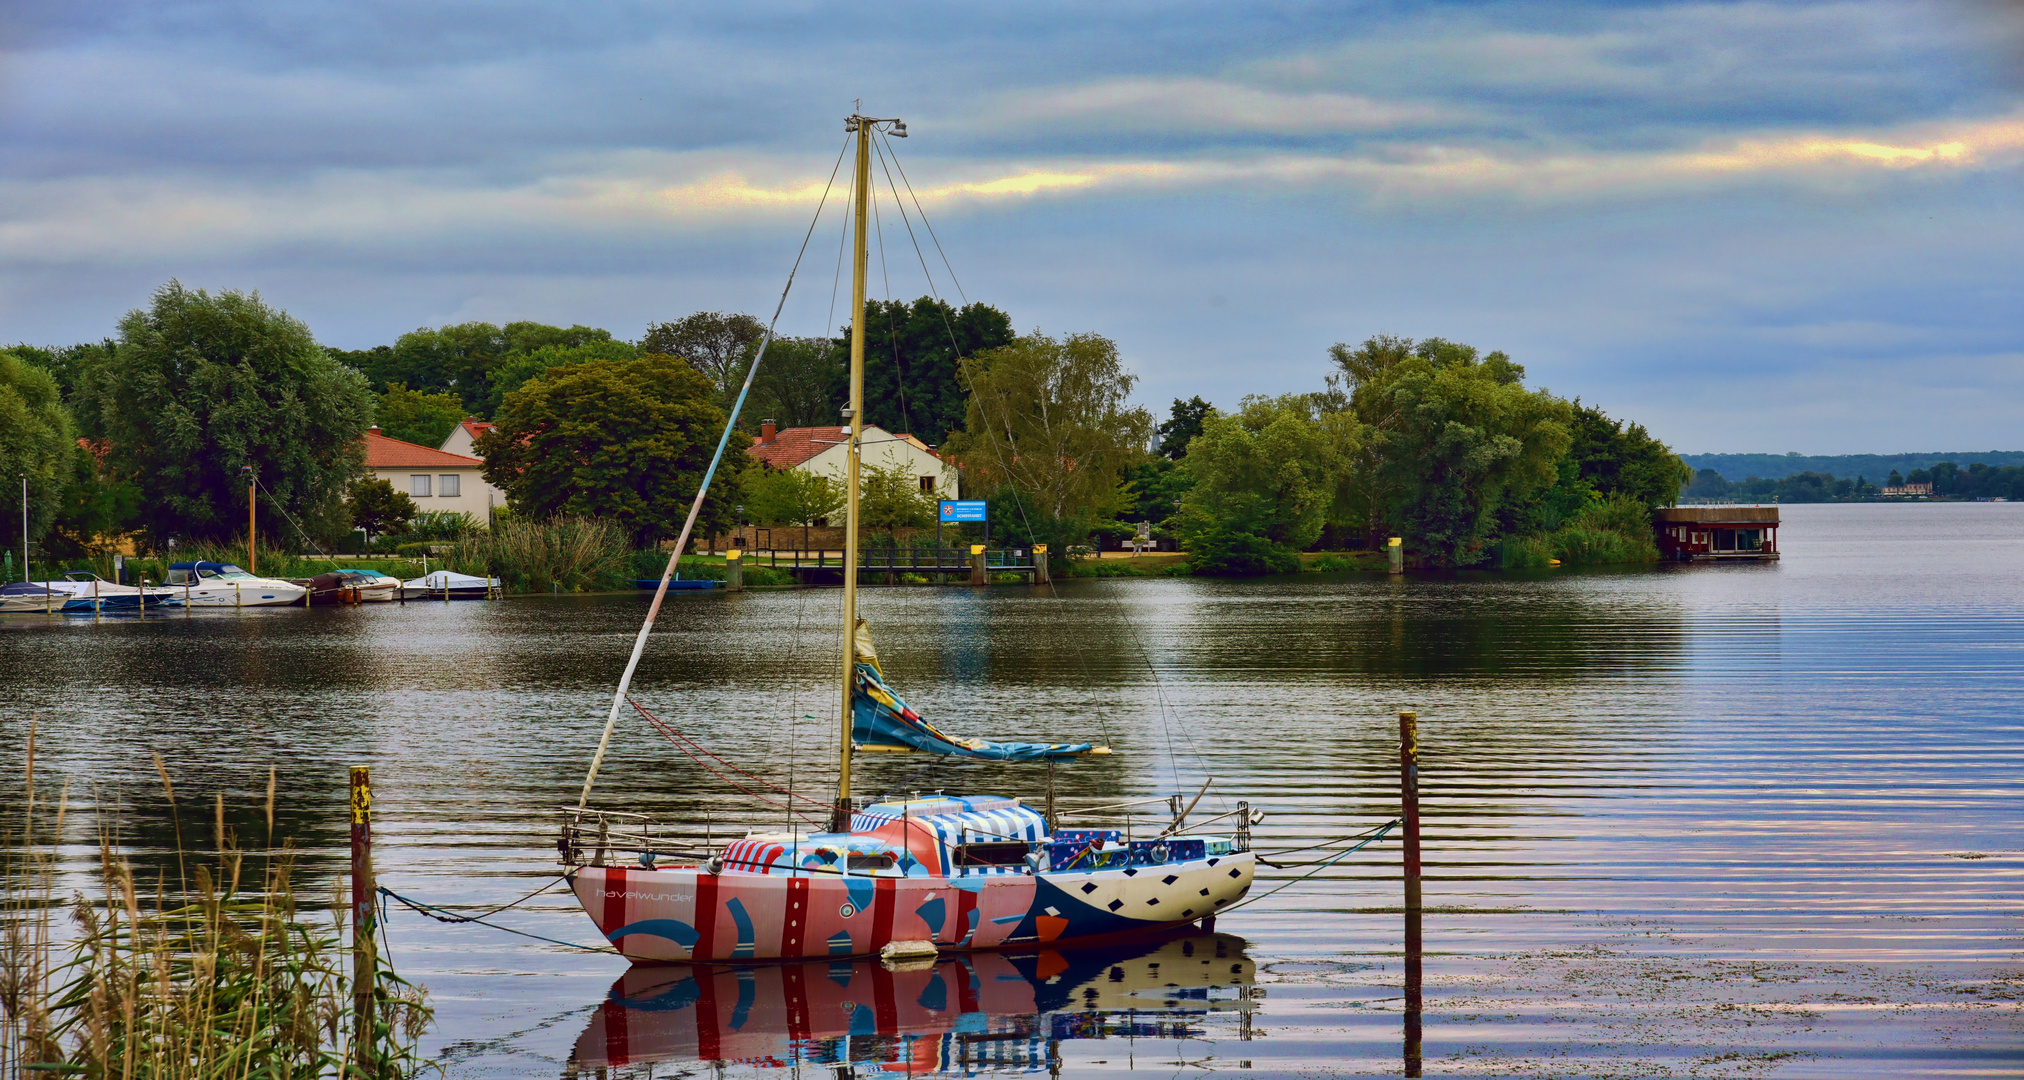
column 1735, row 467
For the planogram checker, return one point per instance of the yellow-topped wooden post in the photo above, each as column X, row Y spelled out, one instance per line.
column 1395, row 547
column 1040, row 565
column 364, row 921
column 977, row 574
column 734, row 570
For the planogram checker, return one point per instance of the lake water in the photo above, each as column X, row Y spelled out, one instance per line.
column 1736, row 820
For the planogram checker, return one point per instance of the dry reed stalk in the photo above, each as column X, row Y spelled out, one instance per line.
column 206, row 983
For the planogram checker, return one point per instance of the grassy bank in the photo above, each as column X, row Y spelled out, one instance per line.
column 1613, row 531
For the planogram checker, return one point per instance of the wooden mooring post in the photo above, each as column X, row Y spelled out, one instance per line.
column 1409, row 813
column 734, row 570
column 978, row 575
column 364, row 922
column 1040, row 565
column 1395, row 548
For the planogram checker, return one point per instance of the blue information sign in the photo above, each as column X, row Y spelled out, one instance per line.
column 962, row 510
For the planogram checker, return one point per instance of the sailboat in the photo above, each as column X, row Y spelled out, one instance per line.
column 900, row 879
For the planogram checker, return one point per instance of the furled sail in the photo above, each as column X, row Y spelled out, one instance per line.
column 880, row 718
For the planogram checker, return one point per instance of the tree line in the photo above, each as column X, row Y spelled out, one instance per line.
column 1978, row 481
column 154, row 431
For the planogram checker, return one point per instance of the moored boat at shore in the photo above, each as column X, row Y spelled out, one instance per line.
column 889, row 879
column 201, row 584
column 448, row 585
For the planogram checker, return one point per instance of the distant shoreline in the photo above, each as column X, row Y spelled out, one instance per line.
column 1874, row 467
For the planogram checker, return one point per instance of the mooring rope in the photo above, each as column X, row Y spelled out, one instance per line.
column 1262, row 856
column 1338, row 857
column 452, row 917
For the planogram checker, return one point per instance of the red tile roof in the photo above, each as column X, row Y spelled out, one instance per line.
column 477, row 427
column 792, row 446
column 384, row 453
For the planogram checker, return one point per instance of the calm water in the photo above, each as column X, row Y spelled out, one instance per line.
column 1683, row 821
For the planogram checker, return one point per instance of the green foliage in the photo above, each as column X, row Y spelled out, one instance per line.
column 536, row 556
column 626, row 441
column 461, row 359
column 442, row 525
column 1181, row 426
column 98, row 509
column 1263, row 477
column 1707, row 484
column 890, row 497
column 415, row 417
column 201, row 386
column 790, row 496
column 1052, row 419
column 516, row 370
column 1155, row 488
column 377, row 508
column 913, row 364
column 38, row 440
column 1454, row 439
column 1228, row 548
column 718, row 345
column 1616, row 529
column 1611, row 459
column 796, row 383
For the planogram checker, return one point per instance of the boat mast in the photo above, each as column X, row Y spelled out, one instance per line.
column 854, row 417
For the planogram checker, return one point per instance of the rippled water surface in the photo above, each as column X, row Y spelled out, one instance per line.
column 1683, row 821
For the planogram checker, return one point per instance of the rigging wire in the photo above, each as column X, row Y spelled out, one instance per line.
column 724, row 441
column 683, row 743
column 1166, row 707
column 997, row 451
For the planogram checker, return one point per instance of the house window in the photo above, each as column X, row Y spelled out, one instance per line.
column 449, row 486
column 418, row 486
column 927, row 485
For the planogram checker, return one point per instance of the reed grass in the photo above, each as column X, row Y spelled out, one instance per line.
column 215, row 975
column 573, row 553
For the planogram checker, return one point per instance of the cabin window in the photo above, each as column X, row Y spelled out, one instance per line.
column 862, row 861
column 448, row 485
column 999, row 853
column 418, row 486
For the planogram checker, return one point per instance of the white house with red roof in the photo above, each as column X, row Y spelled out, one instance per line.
column 820, row 450
column 434, row 479
column 464, row 436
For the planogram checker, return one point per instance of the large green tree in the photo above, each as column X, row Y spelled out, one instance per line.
column 37, row 440
column 417, row 417
column 462, row 359
column 1452, row 438
column 1050, row 419
column 795, row 380
column 720, row 346
column 914, row 360
column 202, row 386
column 518, row 368
column 1264, row 481
column 625, row 440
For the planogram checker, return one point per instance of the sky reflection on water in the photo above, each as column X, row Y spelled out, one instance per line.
column 1709, row 820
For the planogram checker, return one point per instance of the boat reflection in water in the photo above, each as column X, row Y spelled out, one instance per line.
column 961, row 1014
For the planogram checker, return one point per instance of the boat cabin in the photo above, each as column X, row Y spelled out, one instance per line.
column 190, row 573
column 1714, row 533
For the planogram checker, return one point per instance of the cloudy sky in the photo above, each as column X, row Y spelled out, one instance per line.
column 1751, row 226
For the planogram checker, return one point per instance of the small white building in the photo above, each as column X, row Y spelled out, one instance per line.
column 820, row 450
column 434, row 479
column 464, row 437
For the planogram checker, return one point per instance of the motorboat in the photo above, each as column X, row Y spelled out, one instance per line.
column 448, row 585
column 333, row 587
column 213, row 584
column 372, row 585
column 86, row 594
column 26, row 596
